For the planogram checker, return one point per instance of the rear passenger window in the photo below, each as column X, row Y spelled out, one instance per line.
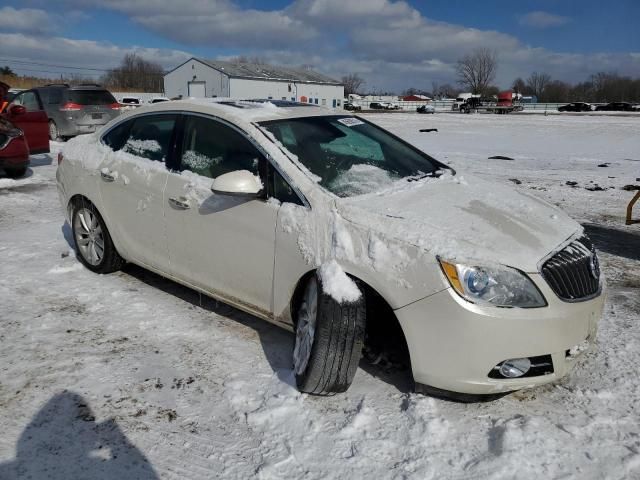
column 150, row 137
column 117, row 136
column 210, row 149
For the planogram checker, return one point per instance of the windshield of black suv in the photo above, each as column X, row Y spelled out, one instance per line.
column 351, row 156
column 91, row 97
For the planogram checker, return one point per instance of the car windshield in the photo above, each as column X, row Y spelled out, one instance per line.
column 91, row 97
column 351, row 156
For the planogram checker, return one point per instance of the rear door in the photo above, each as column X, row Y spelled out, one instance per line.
column 132, row 185
column 33, row 122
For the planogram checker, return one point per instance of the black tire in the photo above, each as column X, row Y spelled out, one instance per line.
column 110, row 261
column 337, row 344
column 54, row 134
column 15, row 172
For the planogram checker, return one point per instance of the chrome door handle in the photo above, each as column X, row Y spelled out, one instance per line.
column 178, row 203
column 107, row 177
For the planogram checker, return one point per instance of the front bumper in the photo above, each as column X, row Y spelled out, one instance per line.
column 454, row 344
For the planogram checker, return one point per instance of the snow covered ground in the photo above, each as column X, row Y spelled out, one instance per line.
column 132, row 376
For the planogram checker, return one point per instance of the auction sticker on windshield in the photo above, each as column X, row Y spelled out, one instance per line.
column 350, row 121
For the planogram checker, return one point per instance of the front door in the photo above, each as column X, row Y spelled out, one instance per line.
column 132, row 183
column 34, row 122
column 221, row 243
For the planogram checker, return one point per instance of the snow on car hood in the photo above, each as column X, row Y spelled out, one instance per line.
column 464, row 219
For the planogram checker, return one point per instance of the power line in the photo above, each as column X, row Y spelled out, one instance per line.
column 22, row 62
column 21, row 69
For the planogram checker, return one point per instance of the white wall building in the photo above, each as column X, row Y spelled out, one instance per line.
column 215, row 78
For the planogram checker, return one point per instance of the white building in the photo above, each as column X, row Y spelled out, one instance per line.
column 215, row 78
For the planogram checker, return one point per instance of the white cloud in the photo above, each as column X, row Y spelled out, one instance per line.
column 78, row 53
column 390, row 43
column 214, row 22
column 539, row 19
column 30, row 20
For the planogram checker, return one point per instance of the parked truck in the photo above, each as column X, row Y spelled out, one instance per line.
column 507, row 102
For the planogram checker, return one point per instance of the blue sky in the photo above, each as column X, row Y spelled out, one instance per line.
column 393, row 45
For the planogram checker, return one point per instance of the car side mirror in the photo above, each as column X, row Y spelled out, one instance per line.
column 16, row 110
column 241, row 183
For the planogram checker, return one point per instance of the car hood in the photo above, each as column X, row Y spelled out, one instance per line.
column 465, row 219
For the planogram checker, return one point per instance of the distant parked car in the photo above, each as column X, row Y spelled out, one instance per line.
column 376, row 106
column 615, row 107
column 73, row 110
column 426, row 109
column 390, row 106
column 129, row 103
column 576, row 107
column 352, row 107
column 159, row 99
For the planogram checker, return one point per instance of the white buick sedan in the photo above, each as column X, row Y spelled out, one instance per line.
column 329, row 226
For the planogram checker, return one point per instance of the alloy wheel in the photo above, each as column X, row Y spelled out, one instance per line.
column 89, row 236
column 305, row 330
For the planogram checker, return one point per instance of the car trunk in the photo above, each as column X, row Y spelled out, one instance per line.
column 97, row 106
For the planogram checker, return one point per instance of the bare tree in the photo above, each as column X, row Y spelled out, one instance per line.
column 477, row 70
column 537, row 82
column 135, row 73
column 352, row 83
column 519, row 86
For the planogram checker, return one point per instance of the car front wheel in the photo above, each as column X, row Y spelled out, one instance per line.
column 92, row 240
column 329, row 340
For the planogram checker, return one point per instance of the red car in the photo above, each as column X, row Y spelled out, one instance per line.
column 24, row 130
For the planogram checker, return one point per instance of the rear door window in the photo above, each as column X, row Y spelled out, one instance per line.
column 150, row 137
column 91, row 97
column 117, row 136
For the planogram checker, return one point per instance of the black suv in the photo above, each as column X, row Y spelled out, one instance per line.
column 615, row 107
column 73, row 110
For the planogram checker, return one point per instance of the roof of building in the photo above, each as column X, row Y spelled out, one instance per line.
column 263, row 71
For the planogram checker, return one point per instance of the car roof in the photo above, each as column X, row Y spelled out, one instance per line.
column 238, row 111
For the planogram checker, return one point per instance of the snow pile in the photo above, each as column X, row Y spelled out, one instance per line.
column 198, row 161
column 360, row 179
column 337, row 284
column 141, row 147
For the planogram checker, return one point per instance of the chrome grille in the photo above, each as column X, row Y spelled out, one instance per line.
column 574, row 272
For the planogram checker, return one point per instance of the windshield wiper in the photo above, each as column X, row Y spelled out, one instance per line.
column 434, row 174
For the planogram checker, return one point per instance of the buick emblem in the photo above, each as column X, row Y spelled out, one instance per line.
column 594, row 266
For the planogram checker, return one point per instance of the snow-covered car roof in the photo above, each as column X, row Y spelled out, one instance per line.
column 239, row 111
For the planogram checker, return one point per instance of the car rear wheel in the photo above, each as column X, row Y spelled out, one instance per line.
column 329, row 340
column 92, row 240
column 15, row 172
column 53, row 131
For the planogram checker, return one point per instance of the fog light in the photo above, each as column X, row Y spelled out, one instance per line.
column 515, row 367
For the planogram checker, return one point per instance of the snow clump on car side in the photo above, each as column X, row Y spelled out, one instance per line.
column 337, row 284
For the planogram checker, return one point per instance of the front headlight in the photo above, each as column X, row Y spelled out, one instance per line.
column 495, row 286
